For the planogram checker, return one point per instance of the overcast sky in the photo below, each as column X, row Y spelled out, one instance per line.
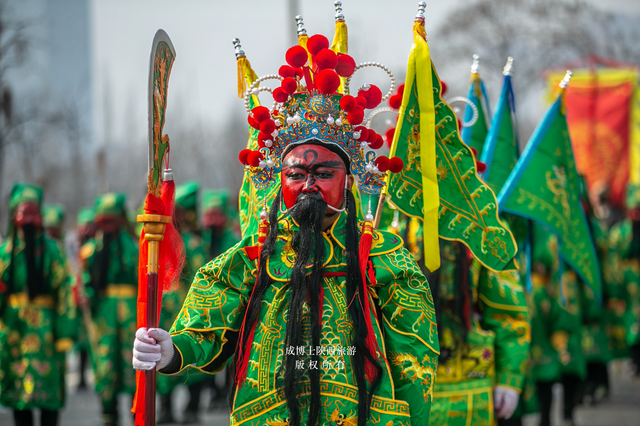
column 203, row 80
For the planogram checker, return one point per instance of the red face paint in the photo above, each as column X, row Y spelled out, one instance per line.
column 313, row 168
column 214, row 218
column 28, row 214
column 108, row 223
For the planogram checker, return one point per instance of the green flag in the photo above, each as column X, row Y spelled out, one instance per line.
column 544, row 186
column 474, row 136
column 466, row 207
column 501, row 152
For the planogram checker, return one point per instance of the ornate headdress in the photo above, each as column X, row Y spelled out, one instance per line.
column 313, row 103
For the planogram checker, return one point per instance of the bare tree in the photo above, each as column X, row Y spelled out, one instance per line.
column 539, row 34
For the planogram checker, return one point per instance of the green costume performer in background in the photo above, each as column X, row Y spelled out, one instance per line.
column 624, row 303
column 37, row 313
column 85, row 231
column 53, row 220
column 556, row 325
column 111, row 259
column 484, row 338
column 195, row 258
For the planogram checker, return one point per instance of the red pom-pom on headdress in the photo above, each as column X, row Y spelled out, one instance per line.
column 481, row 167
column 348, row 103
column 243, row 156
column 373, row 96
column 371, row 136
column 401, row 89
column 389, row 135
column 262, row 137
column 396, row 165
column 254, row 158
column 377, row 144
column 267, row 127
column 261, row 113
column 475, row 151
column 364, row 132
column 326, row 59
column 296, row 56
column 395, row 101
column 346, row 65
column 316, row 43
column 286, row 71
column 382, row 163
column 361, row 101
column 355, row 117
column 279, row 95
column 289, row 85
column 253, row 123
column 299, row 72
column 327, row 81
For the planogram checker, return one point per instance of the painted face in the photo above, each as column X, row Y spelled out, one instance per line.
column 214, row 218
column 28, row 214
column 313, row 169
column 108, row 223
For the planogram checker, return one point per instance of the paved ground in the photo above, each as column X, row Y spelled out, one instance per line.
column 622, row 408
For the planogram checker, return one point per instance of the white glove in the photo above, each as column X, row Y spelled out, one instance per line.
column 152, row 348
column 505, row 401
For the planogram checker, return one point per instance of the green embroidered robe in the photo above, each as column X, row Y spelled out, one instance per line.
column 195, row 258
column 34, row 334
column 206, row 329
column 496, row 347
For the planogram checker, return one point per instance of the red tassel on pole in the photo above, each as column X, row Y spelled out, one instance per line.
column 366, row 240
column 170, row 263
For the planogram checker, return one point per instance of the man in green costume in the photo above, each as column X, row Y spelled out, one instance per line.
column 85, row 231
column 625, row 273
column 195, row 258
column 484, row 334
column 37, row 313
column 111, row 261
column 595, row 341
column 288, row 337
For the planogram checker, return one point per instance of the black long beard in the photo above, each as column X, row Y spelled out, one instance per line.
column 214, row 243
column 34, row 260
column 308, row 244
column 100, row 273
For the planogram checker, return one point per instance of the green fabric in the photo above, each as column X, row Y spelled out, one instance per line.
column 215, row 198
column 623, row 304
column 633, row 196
column 544, row 187
column 556, row 328
column 468, row 208
column 114, row 312
column 475, row 136
column 86, row 216
column 595, row 341
column 31, row 367
column 214, row 310
column 110, row 204
column 52, row 215
column 496, row 347
column 187, row 195
column 463, row 403
column 195, row 258
column 501, row 148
